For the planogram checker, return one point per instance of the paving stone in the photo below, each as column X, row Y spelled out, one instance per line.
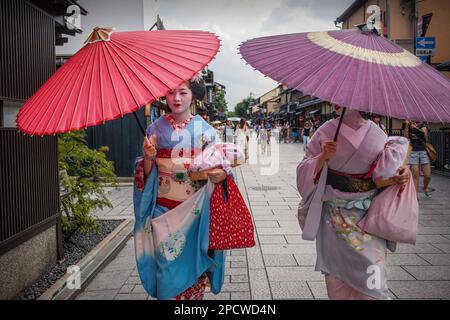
column 121, row 263
column 278, row 260
column 266, row 224
column 297, row 239
column 257, row 204
column 239, row 278
column 109, row 280
column 445, row 247
column 240, row 296
column 139, row 289
column 418, row 248
column 420, row 289
column 281, row 203
column 279, row 218
column 133, row 280
column 135, row 272
column 290, row 290
column 433, row 230
column 237, row 258
column 433, row 216
column 432, row 238
column 301, row 273
column 288, row 248
column 398, row 273
column 308, row 259
column 132, row 296
column 127, row 288
column 259, row 285
column 318, row 289
column 437, row 259
column 98, row 295
column 238, row 264
column 434, row 223
column 238, row 252
column 271, row 239
column 254, row 258
column 234, row 271
column 402, row 259
column 233, row 287
column 284, row 212
column 282, row 231
column 260, row 212
column 220, row 296
column 429, row 272
column 127, row 251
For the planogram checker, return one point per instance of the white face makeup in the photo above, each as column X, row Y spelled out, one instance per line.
column 179, row 99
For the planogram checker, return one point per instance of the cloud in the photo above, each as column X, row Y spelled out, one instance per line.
column 237, row 21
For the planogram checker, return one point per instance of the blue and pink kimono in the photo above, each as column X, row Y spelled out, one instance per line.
column 172, row 215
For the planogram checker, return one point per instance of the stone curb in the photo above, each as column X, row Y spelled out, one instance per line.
column 92, row 263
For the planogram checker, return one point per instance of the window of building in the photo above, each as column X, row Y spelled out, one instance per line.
column 8, row 113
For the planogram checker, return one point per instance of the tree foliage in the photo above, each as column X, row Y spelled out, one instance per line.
column 83, row 174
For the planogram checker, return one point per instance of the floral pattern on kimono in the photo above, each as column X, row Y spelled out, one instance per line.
column 174, row 264
column 330, row 216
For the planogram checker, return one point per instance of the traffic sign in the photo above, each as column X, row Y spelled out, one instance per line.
column 423, row 58
column 425, row 42
column 425, row 46
column 425, row 52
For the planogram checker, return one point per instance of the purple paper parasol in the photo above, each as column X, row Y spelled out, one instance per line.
column 353, row 69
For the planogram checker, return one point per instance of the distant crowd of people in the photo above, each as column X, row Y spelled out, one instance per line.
column 285, row 132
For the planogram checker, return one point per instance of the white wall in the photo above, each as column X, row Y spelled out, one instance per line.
column 123, row 15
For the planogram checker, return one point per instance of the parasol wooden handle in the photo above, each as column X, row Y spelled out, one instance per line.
column 339, row 125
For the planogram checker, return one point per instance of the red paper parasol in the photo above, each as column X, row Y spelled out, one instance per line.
column 115, row 74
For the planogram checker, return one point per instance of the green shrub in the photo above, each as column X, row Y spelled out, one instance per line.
column 83, row 174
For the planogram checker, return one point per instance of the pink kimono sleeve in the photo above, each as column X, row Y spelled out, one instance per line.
column 306, row 180
column 392, row 158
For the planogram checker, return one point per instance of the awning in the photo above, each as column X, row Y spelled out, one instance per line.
column 318, row 111
column 308, row 103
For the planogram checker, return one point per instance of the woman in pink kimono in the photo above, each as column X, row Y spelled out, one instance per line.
column 335, row 182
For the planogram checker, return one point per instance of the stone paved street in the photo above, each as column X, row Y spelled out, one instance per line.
column 281, row 266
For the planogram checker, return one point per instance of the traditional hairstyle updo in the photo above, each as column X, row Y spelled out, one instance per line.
column 198, row 87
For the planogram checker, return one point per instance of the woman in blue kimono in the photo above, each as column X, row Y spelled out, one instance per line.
column 172, row 211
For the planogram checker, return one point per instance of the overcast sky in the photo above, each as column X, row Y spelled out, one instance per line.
column 238, row 20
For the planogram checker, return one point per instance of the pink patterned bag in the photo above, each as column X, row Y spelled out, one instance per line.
column 393, row 216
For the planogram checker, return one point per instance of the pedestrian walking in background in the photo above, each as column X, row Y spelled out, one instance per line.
column 219, row 131
column 315, row 126
column 242, row 135
column 286, row 132
column 268, row 127
column 377, row 119
column 276, row 132
column 262, row 137
column 417, row 133
column 229, row 132
column 295, row 134
column 305, row 134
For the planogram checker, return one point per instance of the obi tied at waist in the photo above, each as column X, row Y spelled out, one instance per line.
column 347, row 182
